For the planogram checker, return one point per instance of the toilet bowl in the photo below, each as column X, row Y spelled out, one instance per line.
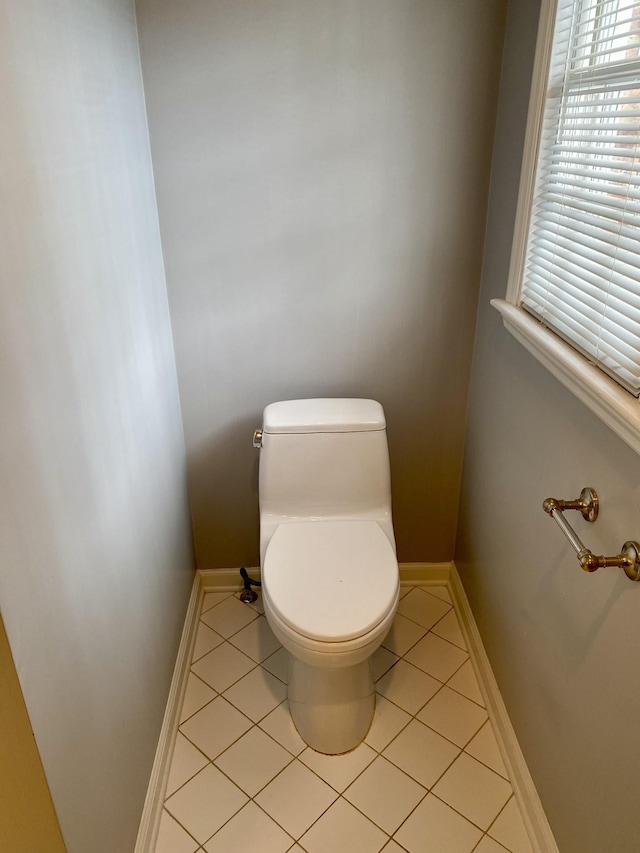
column 330, row 580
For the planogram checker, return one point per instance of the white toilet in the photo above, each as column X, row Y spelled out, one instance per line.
column 330, row 579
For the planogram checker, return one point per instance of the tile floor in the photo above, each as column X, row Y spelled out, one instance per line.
column 428, row 778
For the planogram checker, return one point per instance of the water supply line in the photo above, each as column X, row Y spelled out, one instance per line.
column 247, row 595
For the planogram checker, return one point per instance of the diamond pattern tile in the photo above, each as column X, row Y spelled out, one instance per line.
column 485, row 748
column 453, row 715
column 186, row 762
column 388, row 720
column 196, row 696
column 407, row 686
column 429, row 771
column 473, row 790
column 280, row 726
column 465, row 682
column 215, row 727
column 250, row 830
column 342, row 829
column 385, row 794
column 449, row 629
column 257, row 640
column 508, row 829
column 403, row 634
column 172, row 838
column 488, row 845
column 422, row 753
column 223, row 666
column 230, row 616
column 206, row 803
column 253, row 761
column 257, row 693
column 423, row 608
column 339, row 770
column 279, row 664
column 436, row 656
column 206, row 639
column 435, row 828
column 296, row 798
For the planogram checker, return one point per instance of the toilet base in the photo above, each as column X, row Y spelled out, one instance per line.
column 332, row 708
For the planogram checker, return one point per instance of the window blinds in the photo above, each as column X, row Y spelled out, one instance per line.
column 582, row 265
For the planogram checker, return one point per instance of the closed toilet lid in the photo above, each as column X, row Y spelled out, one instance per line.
column 330, row 580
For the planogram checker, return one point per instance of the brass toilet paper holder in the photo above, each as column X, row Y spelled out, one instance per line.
column 588, row 505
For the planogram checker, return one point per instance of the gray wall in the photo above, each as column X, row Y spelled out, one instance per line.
column 321, row 171
column 95, row 549
column 563, row 644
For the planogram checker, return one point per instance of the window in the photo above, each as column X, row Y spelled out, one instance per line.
column 576, row 259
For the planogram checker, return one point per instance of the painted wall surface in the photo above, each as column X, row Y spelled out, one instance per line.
column 563, row 644
column 28, row 821
column 322, row 171
column 95, row 548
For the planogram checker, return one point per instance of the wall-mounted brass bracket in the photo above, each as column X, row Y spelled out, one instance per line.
column 588, row 505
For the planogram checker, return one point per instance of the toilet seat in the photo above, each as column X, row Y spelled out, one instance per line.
column 331, row 581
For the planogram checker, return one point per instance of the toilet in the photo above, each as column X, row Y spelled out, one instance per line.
column 330, row 580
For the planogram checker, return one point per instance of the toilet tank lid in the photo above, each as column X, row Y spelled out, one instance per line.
column 323, row 415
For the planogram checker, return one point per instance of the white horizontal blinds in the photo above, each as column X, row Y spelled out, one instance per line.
column 582, row 267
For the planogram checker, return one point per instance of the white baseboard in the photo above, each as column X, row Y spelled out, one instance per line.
column 535, row 820
column 150, row 821
column 411, row 574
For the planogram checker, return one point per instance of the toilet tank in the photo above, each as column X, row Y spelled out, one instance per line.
column 324, row 458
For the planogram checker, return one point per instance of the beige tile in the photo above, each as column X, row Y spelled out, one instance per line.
column 206, row 639
column 422, row 753
column 440, row 592
column 381, row 661
column 435, row 828
column 472, row 789
column 280, row 726
column 384, row 794
column 453, row 715
column 296, row 798
column 388, row 720
column 449, row 629
column 257, row 693
column 403, row 634
column 223, row 666
column 257, row 640
column 407, row 686
column 215, row 727
column 342, row 829
column 485, row 748
column 250, row 831
column 339, row 771
column 229, row 616
column 212, row 598
column 185, row 763
column 436, row 656
column 423, row 608
column 196, row 696
column 404, row 590
column 205, row 803
column 509, row 829
column 279, row 664
column 172, row 838
column 253, row 761
column 392, row 847
column 488, row 845
column 465, row 682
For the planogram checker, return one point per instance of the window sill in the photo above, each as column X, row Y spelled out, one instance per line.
column 618, row 409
